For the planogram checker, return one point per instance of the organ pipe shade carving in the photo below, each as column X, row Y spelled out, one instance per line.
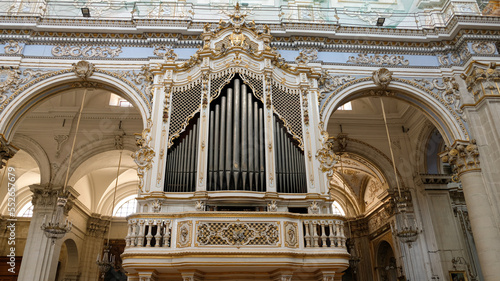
column 236, row 140
column 289, row 161
column 182, row 158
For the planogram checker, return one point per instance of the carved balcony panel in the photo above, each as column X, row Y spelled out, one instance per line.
column 253, row 243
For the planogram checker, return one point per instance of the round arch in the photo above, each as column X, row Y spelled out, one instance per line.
column 445, row 121
column 51, row 85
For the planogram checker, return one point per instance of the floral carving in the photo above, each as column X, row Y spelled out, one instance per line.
column 327, row 82
column 85, row 51
column 448, row 90
column 291, row 235
column 327, row 157
column 184, row 234
column 144, row 78
column 12, row 78
column 378, row 59
column 306, row 56
column 168, row 55
column 13, row 48
column 144, row 155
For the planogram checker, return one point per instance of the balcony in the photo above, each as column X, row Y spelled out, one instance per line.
column 235, row 246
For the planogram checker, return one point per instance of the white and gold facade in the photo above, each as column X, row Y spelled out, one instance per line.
column 268, row 141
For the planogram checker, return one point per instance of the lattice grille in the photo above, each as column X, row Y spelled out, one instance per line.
column 185, row 103
column 287, row 107
column 217, row 82
column 255, row 82
column 238, row 233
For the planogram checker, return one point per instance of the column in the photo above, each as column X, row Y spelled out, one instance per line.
column 40, row 253
column 96, row 230
column 464, row 156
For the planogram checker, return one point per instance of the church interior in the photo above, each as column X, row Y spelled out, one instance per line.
column 270, row 140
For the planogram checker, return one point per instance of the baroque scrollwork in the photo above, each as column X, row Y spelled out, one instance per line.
column 326, row 155
column 12, row 78
column 378, row 59
column 448, row 90
column 291, row 235
column 166, row 52
column 481, row 82
column 85, row 51
column 306, row 55
column 144, row 155
column 238, row 233
column 184, row 234
column 452, row 59
column 484, row 48
column 13, row 48
column 143, row 78
column 327, row 82
column 382, row 78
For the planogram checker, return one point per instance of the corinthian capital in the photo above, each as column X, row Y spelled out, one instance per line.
column 482, row 80
column 463, row 156
column 7, row 151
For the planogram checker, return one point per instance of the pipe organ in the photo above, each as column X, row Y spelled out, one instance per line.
column 236, row 141
column 236, row 148
column 290, row 162
column 182, row 158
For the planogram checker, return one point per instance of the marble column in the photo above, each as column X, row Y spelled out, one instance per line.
column 94, row 238
column 40, row 253
column 464, row 157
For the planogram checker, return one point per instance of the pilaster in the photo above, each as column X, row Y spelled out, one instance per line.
column 96, row 229
column 41, row 253
column 464, row 157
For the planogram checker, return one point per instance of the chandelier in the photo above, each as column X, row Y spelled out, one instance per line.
column 107, row 261
column 407, row 229
column 56, row 228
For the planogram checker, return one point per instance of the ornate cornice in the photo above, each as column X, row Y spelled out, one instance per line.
column 463, row 156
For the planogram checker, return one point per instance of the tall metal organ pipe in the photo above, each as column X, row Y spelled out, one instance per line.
column 236, row 129
column 180, row 175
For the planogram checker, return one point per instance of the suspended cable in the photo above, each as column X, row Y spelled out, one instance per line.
column 390, row 147
column 114, row 193
column 74, row 141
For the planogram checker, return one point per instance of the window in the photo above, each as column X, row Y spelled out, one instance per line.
column 337, row 209
column 26, row 211
column 345, row 106
column 116, row 100
column 125, row 207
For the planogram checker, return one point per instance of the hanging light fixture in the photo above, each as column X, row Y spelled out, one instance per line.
column 108, row 260
column 406, row 228
column 58, row 226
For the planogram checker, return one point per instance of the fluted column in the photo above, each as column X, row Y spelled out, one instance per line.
column 464, row 156
column 40, row 255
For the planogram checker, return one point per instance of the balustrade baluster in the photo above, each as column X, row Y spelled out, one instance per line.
column 149, row 236
column 315, row 233
column 323, row 234
column 133, row 236
column 331, row 236
column 140, row 238
column 307, row 236
column 166, row 234
column 158, row 233
column 127, row 238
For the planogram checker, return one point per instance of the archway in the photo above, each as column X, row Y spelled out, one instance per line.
column 386, row 263
column 67, row 269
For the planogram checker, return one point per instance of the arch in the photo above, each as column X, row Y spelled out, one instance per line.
column 35, row 150
column 87, row 151
column 385, row 262
column 50, row 84
column 439, row 114
column 71, row 265
column 125, row 190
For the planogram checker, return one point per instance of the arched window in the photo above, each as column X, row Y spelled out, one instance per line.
column 126, row 207
column 337, row 209
column 26, row 211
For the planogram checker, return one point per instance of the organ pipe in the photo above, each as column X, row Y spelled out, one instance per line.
column 181, row 160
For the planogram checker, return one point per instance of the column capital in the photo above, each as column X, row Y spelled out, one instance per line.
column 463, row 156
column 482, row 80
column 7, row 151
column 47, row 195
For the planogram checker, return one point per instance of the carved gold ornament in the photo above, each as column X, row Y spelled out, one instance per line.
column 238, row 233
column 378, row 59
column 85, row 51
column 463, row 156
column 382, row 78
column 7, row 78
column 13, row 48
column 484, row 48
